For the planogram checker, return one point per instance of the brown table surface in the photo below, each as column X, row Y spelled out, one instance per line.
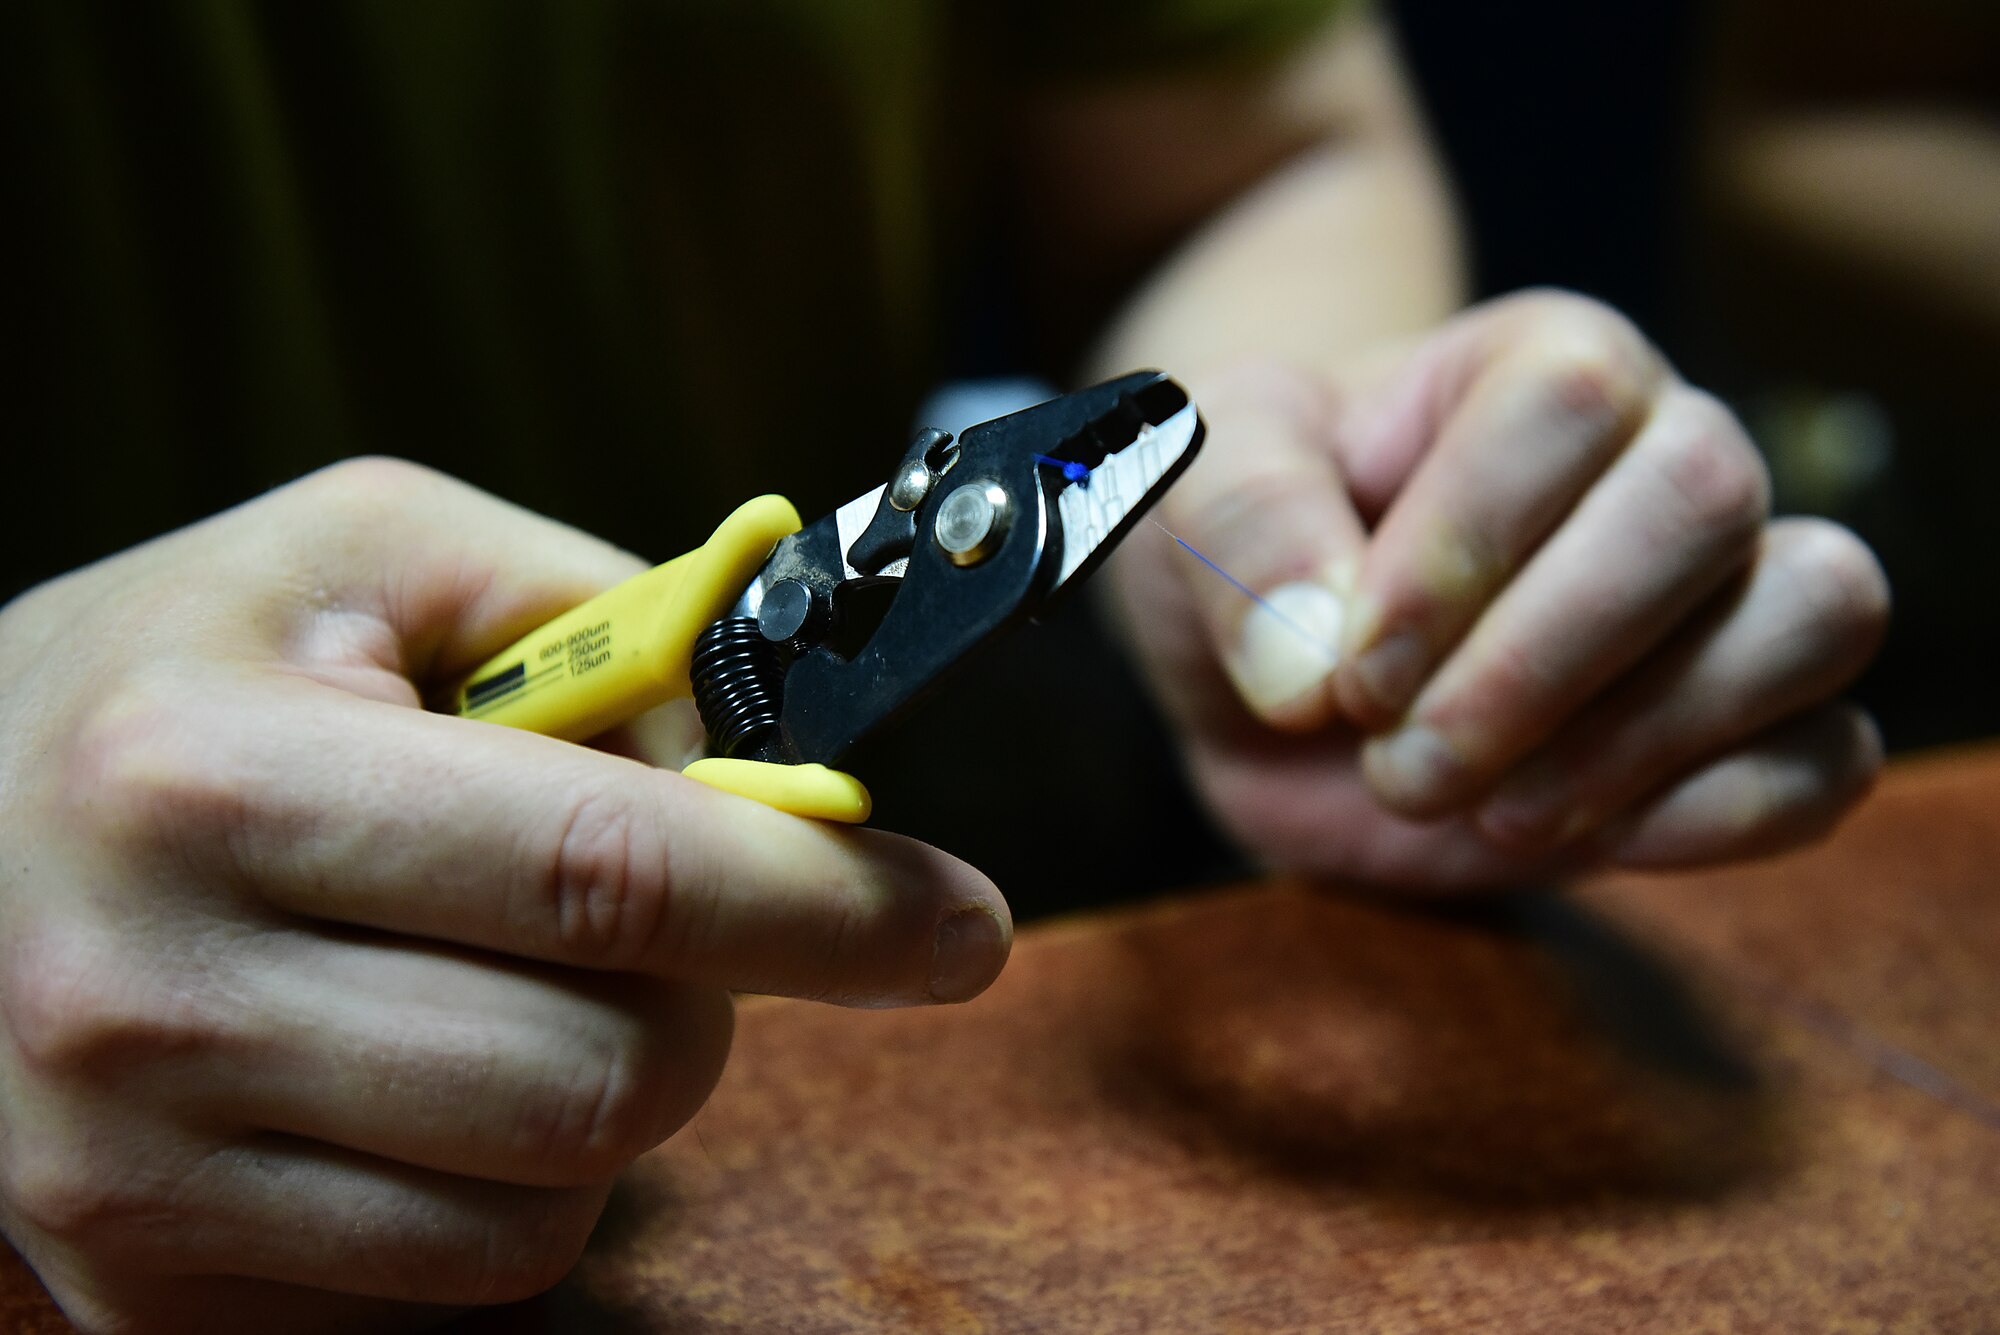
column 1759, row 1099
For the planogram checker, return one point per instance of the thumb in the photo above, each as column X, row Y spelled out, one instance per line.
column 1266, row 504
column 451, row 572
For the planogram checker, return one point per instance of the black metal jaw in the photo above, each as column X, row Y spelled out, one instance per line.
column 843, row 646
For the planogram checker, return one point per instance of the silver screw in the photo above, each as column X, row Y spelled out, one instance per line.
column 911, row 487
column 789, row 610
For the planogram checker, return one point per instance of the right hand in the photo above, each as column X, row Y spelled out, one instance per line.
column 323, row 1012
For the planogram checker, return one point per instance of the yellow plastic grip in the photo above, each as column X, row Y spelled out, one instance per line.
column 627, row 650
column 803, row 790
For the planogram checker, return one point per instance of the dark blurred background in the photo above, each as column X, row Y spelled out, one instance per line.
column 252, row 239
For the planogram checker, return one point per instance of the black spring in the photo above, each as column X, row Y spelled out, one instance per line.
column 738, row 684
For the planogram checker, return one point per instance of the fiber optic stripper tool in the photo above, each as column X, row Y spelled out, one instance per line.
column 799, row 642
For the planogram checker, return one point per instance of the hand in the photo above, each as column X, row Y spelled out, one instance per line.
column 317, row 1005
column 1528, row 614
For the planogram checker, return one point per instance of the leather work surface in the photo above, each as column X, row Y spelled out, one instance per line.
column 1760, row 1099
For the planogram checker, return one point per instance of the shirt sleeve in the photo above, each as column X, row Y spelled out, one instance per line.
column 1060, row 40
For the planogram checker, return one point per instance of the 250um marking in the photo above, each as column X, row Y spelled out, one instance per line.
column 587, row 648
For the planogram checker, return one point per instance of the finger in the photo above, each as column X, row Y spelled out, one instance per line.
column 1265, row 503
column 445, row 828
column 539, row 1077
column 1785, row 789
column 417, row 576
column 1301, row 804
column 295, row 1213
column 1804, row 624
column 1662, row 530
column 1541, row 417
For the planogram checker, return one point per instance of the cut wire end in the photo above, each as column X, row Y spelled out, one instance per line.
column 1071, row 470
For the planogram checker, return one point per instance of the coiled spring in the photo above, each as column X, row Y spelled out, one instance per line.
column 738, row 684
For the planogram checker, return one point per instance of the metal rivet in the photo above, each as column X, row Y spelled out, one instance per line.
column 971, row 522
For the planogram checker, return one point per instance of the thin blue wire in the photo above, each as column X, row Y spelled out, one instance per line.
column 1324, row 649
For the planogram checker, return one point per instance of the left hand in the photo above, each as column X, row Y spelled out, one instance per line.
column 1559, row 625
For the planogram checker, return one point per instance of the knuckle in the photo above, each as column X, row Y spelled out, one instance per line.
column 1513, row 690
column 1514, row 674
column 369, row 481
column 70, row 1197
column 1716, row 476
column 605, row 886
column 58, row 1014
column 1590, row 380
column 1561, row 308
column 140, row 773
column 1501, row 707
column 78, row 1011
column 1595, row 361
column 608, row 1112
column 1236, row 518
column 359, row 496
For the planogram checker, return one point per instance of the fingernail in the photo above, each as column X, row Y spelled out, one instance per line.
column 967, row 955
column 1287, row 646
column 1390, row 673
column 1412, row 767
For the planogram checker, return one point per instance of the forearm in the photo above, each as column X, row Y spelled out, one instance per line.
column 1350, row 244
column 1343, row 250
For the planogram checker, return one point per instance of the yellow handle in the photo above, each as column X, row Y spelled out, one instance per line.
column 803, row 790
column 627, row 650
